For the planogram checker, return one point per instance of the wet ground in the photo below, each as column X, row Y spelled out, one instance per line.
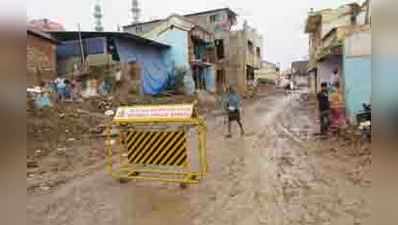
column 278, row 174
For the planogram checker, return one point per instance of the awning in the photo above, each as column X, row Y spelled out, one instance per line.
column 312, row 64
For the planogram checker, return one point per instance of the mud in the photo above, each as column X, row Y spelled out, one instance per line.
column 278, row 174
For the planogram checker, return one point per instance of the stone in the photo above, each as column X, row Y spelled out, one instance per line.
column 32, row 164
column 45, row 188
column 61, row 149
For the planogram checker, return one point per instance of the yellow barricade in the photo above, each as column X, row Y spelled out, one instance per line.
column 163, row 143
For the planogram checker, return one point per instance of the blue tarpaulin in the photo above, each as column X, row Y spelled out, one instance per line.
column 154, row 69
column 43, row 101
column 91, row 46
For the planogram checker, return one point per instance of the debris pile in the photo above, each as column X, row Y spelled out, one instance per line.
column 59, row 143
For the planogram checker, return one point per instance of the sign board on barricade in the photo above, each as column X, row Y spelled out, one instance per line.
column 157, row 112
column 155, row 144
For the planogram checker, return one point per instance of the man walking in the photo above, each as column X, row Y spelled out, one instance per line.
column 324, row 108
column 233, row 110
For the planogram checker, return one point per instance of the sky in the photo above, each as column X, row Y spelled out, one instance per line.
column 280, row 22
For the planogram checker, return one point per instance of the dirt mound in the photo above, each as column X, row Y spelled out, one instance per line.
column 60, row 143
column 51, row 127
column 66, row 140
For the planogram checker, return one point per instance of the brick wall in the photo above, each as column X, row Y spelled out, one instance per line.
column 41, row 60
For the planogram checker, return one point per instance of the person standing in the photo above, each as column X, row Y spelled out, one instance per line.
column 67, row 89
column 324, row 108
column 60, row 85
column 335, row 78
column 74, row 90
column 233, row 110
column 337, row 108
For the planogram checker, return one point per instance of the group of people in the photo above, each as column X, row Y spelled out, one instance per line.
column 331, row 106
column 66, row 89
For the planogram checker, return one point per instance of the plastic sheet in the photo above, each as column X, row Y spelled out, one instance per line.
column 154, row 71
column 91, row 46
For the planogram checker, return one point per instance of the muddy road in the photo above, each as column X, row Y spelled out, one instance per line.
column 277, row 174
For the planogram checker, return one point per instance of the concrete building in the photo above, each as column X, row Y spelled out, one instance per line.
column 327, row 28
column 340, row 40
column 239, row 52
column 192, row 48
column 299, row 73
column 269, row 72
column 357, row 73
column 41, row 56
column 246, row 56
column 228, row 45
column 220, row 23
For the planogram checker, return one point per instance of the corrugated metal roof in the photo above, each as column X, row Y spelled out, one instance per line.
column 74, row 35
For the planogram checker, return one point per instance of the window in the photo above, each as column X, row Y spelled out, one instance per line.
column 258, row 52
column 249, row 73
column 353, row 20
column 138, row 29
column 220, row 77
column 250, row 47
column 214, row 18
column 220, row 80
column 220, row 48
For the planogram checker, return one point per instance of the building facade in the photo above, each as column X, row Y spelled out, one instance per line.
column 228, row 69
column 327, row 28
column 340, row 42
column 192, row 49
column 145, row 65
column 246, row 55
column 41, row 57
column 269, row 72
column 219, row 22
column 357, row 74
column 299, row 73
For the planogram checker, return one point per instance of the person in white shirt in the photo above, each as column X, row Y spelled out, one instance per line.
column 335, row 78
